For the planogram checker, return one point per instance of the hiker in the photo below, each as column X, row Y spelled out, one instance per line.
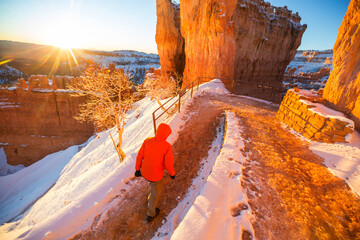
column 154, row 156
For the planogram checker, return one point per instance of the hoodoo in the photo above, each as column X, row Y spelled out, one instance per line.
column 170, row 43
column 247, row 44
column 342, row 91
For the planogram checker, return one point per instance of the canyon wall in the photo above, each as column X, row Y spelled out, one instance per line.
column 35, row 123
column 342, row 91
column 247, row 44
column 170, row 43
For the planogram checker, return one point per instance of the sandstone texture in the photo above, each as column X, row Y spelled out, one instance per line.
column 170, row 42
column 247, row 44
column 299, row 110
column 35, row 123
column 342, row 91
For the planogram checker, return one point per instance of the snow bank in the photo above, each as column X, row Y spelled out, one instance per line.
column 342, row 159
column 5, row 168
column 326, row 112
column 90, row 181
column 23, row 188
column 217, row 207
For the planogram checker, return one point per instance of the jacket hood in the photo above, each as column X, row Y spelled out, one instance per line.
column 162, row 132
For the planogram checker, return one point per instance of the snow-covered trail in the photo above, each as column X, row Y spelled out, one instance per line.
column 127, row 220
column 291, row 193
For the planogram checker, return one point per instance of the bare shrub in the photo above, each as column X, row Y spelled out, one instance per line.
column 109, row 96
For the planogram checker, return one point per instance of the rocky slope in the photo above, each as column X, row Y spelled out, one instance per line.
column 170, row 42
column 36, row 123
column 247, row 44
column 9, row 75
column 308, row 70
column 342, row 91
column 134, row 63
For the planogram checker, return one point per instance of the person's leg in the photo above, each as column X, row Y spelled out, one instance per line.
column 155, row 189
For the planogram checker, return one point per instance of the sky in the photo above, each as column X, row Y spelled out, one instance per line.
column 131, row 24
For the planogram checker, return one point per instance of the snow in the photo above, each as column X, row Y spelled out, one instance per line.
column 305, row 66
column 210, row 214
column 87, row 181
column 42, row 90
column 8, row 104
column 328, row 112
column 342, row 159
column 30, row 183
column 61, row 194
column 5, row 168
column 135, row 63
column 178, row 214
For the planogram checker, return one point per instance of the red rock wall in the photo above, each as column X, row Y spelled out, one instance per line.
column 342, row 91
column 34, row 124
column 168, row 38
column 246, row 43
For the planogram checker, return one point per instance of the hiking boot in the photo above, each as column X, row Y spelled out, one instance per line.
column 149, row 219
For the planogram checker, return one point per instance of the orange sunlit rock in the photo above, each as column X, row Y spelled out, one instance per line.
column 250, row 42
column 342, row 90
column 34, row 124
column 169, row 41
column 21, row 84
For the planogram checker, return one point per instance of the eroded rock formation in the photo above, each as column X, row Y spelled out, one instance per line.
column 247, row 44
column 170, row 42
column 308, row 70
column 36, row 123
column 342, row 91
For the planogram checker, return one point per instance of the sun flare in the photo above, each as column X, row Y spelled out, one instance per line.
column 63, row 34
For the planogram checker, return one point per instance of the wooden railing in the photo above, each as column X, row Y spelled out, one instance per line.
column 190, row 87
column 181, row 93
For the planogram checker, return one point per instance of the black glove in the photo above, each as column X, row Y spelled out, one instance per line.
column 138, row 173
column 172, row 177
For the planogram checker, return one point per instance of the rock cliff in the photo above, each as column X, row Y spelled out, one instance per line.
column 170, row 42
column 342, row 91
column 247, row 44
column 35, row 123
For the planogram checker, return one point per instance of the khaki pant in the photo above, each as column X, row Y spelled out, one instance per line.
column 155, row 189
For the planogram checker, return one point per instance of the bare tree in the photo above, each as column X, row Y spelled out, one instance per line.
column 109, row 96
column 162, row 89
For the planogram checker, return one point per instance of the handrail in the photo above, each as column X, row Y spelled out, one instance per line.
column 185, row 90
column 179, row 95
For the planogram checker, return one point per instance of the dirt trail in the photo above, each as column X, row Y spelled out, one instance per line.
column 128, row 220
column 292, row 194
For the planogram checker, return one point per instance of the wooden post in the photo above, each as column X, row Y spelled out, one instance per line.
column 154, row 121
column 192, row 86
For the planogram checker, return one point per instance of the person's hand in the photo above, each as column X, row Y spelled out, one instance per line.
column 138, row 173
column 172, row 177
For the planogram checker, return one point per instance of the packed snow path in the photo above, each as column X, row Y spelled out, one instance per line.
column 291, row 193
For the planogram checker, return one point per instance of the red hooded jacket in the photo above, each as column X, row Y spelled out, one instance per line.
column 155, row 155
